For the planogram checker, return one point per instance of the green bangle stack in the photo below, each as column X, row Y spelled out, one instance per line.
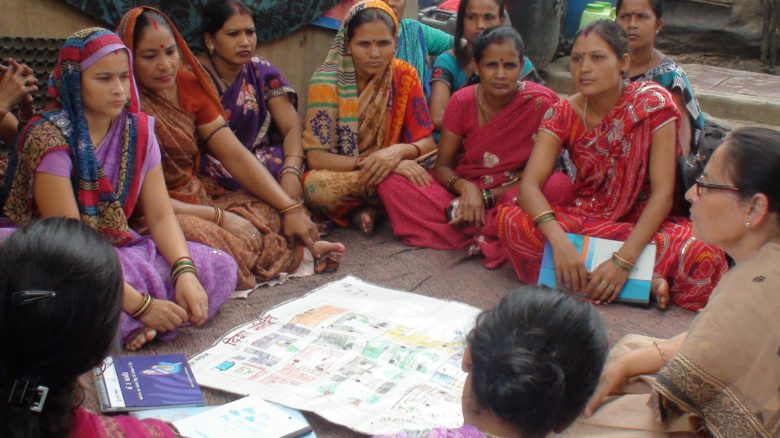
column 180, row 266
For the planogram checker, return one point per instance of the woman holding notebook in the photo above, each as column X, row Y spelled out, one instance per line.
column 623, row 140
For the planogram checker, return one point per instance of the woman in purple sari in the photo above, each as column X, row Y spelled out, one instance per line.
column 260, row 104
column 95, row 157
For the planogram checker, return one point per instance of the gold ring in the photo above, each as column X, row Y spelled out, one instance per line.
column 603, row 283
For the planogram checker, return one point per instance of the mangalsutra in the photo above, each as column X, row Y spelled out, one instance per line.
column 585, row 114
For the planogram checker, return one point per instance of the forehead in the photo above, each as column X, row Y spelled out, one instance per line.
column 636, row 6
column 372, row 30
column 716, row 169
column 154, row 36
column 504, row 49
column 482, row 6
column 239, row 20
column 590, row 42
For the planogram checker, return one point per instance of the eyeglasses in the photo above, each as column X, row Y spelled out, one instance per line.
column 700, row 183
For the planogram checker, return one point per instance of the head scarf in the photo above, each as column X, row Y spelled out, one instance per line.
column 339, row 120
column 126, row 30
column 65, row 128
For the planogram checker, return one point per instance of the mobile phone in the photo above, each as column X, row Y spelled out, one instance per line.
column 452, row 210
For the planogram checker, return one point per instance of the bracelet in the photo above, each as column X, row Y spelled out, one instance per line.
column 621, row 262
column 451, row 182
column 181, row 263
column 208, row 137
column 144, row 307
column 219, row 216
column 181, row 259
column 290, row 169
column 544, row 219
column 540, row 215
column 661, row 351
column 183, row 270
column 419, row 151
column 488, row 198
column 290, row 208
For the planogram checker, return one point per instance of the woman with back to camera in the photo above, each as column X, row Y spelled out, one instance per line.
column 623, row 142
column 58, row 321
column 532, row 362
column 720, row 378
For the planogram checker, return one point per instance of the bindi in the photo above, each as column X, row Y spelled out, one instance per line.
column 154, row 24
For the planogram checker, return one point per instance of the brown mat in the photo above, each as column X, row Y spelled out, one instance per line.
column 384, row 260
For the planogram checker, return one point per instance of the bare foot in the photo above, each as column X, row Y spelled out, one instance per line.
column 660, row 288
column 147, row 335
column 330, row 256
column 364, row 218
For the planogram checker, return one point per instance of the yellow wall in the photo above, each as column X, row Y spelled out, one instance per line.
column 42, row 19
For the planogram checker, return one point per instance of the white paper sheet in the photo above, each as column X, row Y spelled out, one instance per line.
column 370, row 358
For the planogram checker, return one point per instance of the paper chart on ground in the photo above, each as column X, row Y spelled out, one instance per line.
column 373, row 359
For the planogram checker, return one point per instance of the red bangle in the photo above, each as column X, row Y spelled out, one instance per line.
column 419, row 151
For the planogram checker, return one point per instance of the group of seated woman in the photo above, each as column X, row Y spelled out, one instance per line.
column 206, row 190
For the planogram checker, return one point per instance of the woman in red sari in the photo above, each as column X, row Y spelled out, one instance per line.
column 486, row 140
column 623, row 142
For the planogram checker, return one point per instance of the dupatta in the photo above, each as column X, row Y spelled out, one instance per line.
column 100, row 205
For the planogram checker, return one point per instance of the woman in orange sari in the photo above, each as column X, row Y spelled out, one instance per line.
column 366, row 118
column 259, row 225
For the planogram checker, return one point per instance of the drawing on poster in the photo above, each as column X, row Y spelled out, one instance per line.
column 373, row 359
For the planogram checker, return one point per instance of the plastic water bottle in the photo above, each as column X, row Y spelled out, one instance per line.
column 595, row 11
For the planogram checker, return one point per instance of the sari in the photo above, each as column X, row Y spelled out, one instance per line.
column 465, row 431
column 107, row 179
column 245, row 105
column 488, row 160
column 724, row 380
column 417, row 41
column 391, row 109
column 612, row 189
column 447, row 71
column 268, row 254
column 88, row 425
column 671, row 76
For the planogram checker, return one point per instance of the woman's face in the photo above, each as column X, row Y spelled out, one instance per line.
column 372, row 48
column 639, row 21
column 156, row 58
column 397, row 6
column 595, row 67
column 499, row 69
column 105, row 85
column 479, row 15
column 718, row 215
column 235, row 42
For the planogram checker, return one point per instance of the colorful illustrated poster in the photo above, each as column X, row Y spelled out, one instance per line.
column 372, row 359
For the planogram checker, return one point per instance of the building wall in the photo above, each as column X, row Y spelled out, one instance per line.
column 42, row 19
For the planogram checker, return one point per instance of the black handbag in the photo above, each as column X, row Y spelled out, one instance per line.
column 692, row 165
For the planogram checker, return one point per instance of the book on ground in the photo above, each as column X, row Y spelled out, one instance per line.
column 129, row 383
column 247, row 417
column 594, row 251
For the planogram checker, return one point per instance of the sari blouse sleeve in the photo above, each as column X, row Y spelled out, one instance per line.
column 417, row 120
column 274, row 83
column 444, row 70
column 193, row 98
column 455, row 113
column 559, row 121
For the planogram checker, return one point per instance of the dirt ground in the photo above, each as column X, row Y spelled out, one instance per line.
column 752, row 64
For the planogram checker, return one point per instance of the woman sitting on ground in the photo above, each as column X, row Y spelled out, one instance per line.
column 59, row 320
column 456, row 69
column 366, row 119
column 642, row 20
column 260, row 225
column 94, row 157
column 258, row 101
column 720, row 377
column 622, row 140
column 486, row 140
column 532, row 362
column 417, row 41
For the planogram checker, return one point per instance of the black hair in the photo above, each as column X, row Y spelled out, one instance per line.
column 463, row 53
column 753, row 163
column 369, row 15
column 144, row 20
column 497, row 35
column 612, row 33
column 217, row 12
column 52, row 341
column 536, row 358
column 656, row 5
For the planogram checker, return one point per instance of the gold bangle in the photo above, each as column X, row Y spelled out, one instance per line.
column 140, row 306
column 661, row 351
column 146, row 309
column 451, row 182
column 621, row 262
column 539, row 216
column 290, row 208
column 546, row 218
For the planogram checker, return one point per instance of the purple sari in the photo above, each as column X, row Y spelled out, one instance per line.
column 245, row 104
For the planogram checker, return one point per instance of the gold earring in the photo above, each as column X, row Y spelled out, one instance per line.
column 748, row 224
column 211, row 50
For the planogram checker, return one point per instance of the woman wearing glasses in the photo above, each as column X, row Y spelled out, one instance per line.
column 720, row 377
column 623, row 140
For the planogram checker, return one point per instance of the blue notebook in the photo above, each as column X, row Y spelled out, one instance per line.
column 128, row 383
column 594, row 251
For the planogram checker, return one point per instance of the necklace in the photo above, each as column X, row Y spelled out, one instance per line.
column 585, row 114
column 216, row 70
column 480, row 98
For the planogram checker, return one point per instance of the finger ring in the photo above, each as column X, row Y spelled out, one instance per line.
column 603, row 283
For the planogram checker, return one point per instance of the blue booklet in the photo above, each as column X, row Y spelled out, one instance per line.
column 129, row 383
column 594, row 251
